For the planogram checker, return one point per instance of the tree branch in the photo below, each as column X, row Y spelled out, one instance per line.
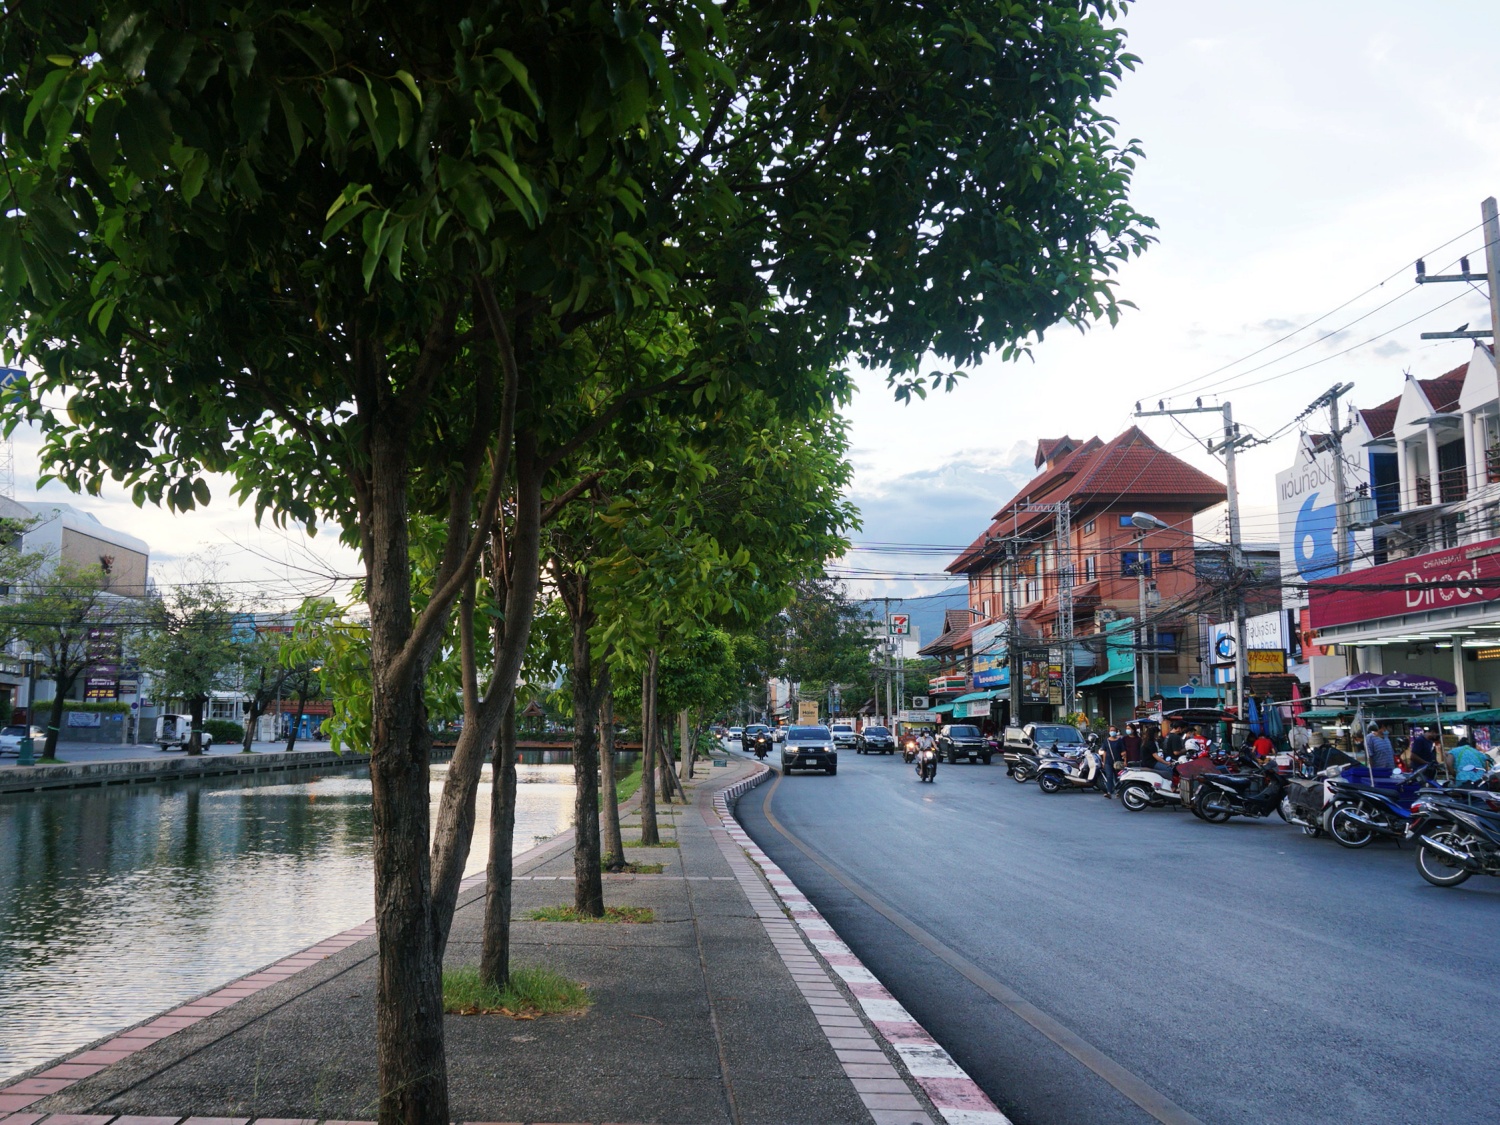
column 562, row 500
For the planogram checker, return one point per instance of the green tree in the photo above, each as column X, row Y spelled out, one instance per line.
column 53, row 610
column 260, row 675
column 188, row 646
column 331, row 249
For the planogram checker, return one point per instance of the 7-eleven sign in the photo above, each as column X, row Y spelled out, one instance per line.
column 899, row 625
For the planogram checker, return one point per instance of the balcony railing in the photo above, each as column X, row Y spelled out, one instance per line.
column 1424, row 492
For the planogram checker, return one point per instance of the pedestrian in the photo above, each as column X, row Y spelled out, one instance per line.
column 1131, row 743
column 1263, row 745
column 1151, row 755
column 1175, row 743
column 1379, row 754
column 1111, row 755
column 1420, row 753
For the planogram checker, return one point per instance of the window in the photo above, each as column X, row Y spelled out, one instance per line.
column 1090, row 568
column 984, row 607
column 1133, row 562
column 1088, row 528
column 1125, row 522
column 1163, row 558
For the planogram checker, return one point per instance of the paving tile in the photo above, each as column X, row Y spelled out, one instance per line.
column 102, row 1055
column 131, row 1120
column 881, row 1086
column 79, row 1118
column 72, row 1071
column 22, row 1118
column 872, row 1057
column 899, row 1117
column 217, row 1121
column 890, row 1101
column 174, row 1022
column 12, row 1102
column 39, row 1085
column 870, row 1070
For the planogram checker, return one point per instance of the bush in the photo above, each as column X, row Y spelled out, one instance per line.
column 224, row 731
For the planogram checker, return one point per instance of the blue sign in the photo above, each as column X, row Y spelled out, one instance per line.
column 9, row 375
column 1186, row 690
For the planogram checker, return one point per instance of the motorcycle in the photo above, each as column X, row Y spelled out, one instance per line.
column 1141, row 787
column 1220, row 796
column 1020, row 764
column 762, row 746
column 1058, row 771
column 908, row 750
column 1457, row 834
column 1359, row 814
column 927, row 765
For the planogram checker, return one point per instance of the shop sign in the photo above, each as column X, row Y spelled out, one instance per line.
column 1265, row 662
column 919, row 716
column 939, row 684
column 976, row 710
column 899, row 625
column 1440, row 580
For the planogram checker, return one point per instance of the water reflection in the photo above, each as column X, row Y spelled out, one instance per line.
column 117, row 903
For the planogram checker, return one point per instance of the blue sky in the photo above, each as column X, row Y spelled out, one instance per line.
column 1296, row 154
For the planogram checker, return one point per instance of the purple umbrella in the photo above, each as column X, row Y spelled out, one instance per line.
column 1375, row 684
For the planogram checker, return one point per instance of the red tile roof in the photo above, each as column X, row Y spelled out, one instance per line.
column 1381, row 420
column 1129, row 469
column 1048, row 448
column 1443, row 391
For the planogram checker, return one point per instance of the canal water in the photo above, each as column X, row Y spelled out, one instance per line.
column 117, row 903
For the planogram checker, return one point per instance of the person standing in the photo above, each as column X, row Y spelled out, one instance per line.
column 1379, row 754
column 1420, row 752
column 1174, row 743
column 1111, row 756
column 1131, row 744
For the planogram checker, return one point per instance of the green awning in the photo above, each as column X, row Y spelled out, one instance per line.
column 1489, row 715
column 1118, row 676
column 943, row 708
column 1324, row 713
column 977, row 696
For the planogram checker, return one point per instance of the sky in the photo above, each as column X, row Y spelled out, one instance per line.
column 1297, row 154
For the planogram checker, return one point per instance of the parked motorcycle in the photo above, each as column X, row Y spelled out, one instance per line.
column 1360, row 814
column 1217, row 796
column 927, row 765
column 1457, row 834
column 1058, row 771
column 1141, row 787
column 1020, row 764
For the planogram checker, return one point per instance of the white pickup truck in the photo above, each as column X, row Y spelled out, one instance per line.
column 173, row 732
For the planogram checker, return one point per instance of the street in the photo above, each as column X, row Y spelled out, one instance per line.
column 1083, row 962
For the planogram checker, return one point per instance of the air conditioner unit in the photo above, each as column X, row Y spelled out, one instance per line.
column 1106, row 616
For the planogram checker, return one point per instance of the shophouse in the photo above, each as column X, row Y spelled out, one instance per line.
column 1065, row 554
column 1422, row 592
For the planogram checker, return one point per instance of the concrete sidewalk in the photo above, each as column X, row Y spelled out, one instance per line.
column 719, row 1011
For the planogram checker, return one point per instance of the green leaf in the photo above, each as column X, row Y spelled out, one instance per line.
column 519, row 72
column 411, row 85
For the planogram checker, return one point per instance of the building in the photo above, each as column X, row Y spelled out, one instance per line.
column 1424, row 597
column 61, row 532
column 1130, row 598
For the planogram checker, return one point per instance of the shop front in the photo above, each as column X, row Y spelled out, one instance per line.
column 1434, row 616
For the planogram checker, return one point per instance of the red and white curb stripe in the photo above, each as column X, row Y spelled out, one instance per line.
column 957, row 1096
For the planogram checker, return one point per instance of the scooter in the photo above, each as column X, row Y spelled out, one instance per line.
column 762, row 746
column 908, row 749
column 927, row 765
column 1458, row 835
column 1360, row 814
column 1141, row 787
column 1058, row 771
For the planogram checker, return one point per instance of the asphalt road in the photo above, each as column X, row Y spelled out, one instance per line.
column 1082, row 961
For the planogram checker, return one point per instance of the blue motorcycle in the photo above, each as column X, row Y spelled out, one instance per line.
column 1362, row 812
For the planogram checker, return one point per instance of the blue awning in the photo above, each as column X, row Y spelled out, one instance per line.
column 977, row 696
column 943, row 708
column 1109, row 679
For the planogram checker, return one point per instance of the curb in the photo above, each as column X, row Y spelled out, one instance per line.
column 947, row 1085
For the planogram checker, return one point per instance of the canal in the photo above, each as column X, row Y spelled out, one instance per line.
column 117, row 903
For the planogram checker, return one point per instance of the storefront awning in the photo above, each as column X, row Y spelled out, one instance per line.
column 1109, row 679
column 977, row 696
column 942, row 708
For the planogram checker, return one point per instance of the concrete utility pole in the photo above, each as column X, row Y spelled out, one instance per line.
column 1490, row 218
column 1231, row 441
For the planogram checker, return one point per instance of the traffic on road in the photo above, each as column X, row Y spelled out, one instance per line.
column 1199, row 948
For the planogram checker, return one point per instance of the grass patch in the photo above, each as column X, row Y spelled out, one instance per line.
column 611, row 914
column 636, row 868
column 531, row 992
column 638, row 844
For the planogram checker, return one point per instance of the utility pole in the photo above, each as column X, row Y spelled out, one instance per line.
column 1490, row 215
column 1231, row 441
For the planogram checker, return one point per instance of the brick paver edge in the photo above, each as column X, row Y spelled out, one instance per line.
column 947, row 1085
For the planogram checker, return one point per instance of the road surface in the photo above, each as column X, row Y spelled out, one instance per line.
column 1089, row 964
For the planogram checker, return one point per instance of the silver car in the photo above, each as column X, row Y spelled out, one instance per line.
column 809, row 748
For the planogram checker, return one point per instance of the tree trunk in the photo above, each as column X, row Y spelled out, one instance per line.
column 291, row 733
column 252, row 717
column 612, row 846
column 588, row 880
column 687, row 746
column 455, row 824
column 670, row 783
column 649, row 834
column 409, row 1053
column 664, row 753
column 494, row 960
column 61, row 686
column 195, row 733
